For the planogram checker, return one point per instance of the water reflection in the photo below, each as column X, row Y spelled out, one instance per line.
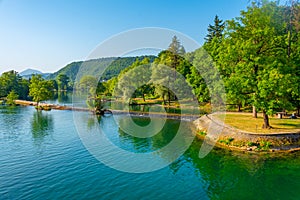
column 11, row 110
column 149, row 144
column 235, row 175
column 62, row 97
column 41, row 126
column 11, row 122
column 222, row 174
column 93, row 121
column 163, row 139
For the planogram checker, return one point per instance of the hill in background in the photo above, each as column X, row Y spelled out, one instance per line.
column 107, row 68
column 29, row 72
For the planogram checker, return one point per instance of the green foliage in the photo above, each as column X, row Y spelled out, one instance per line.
column 11, row 97
column 133, row 81
column 257, row 57
column 227, row 141
column 10, row 81
column 195, row 78
column 88, row 83
column 216, row 30
column 62, row 82
column 40, row 89
column 113, row 66
column 251, row 144
column 265, row 145
column 203, row 133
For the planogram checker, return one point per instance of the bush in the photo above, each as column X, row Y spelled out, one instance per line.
column 227, row 141
column 202, row 133
column 265, row 145
column 251, row 144
column 11, row 97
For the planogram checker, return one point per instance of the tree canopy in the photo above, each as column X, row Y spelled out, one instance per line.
column 40, row 89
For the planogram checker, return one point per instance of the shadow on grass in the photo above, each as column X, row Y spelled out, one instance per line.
column 289, row 125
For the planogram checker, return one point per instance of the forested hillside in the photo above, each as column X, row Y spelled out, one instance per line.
column 112, row 65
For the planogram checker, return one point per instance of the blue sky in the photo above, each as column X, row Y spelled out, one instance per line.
column 49, row 34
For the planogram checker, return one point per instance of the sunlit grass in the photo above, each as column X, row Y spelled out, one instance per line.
column 246, row 122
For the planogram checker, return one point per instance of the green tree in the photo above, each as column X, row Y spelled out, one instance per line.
column 62, row 82
column 195, row 79
column 11, row 97
column 292, row 13
column 175, row 45
column 88, row 83
column 132, row 82
column 216, row 30
column 11, row 80
column 173, row 57
column 253, row 61
column 40, row 89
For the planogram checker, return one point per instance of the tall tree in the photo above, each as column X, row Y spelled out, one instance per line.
column 62, row 82
column 216, row 30
column 173, row 57
column 40, row 89
column 292, row 20
column 89, row 84
column 194, row 78
column 175, row 45
column 10, row 81
column 133, row 81
column 253, row 54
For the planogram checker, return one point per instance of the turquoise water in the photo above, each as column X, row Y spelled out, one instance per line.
column 43, row 157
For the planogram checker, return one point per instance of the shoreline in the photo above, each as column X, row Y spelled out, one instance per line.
column 185, row 117
column 228, row 137
column 231, row 138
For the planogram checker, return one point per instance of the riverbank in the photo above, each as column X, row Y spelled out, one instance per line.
column 185, row 117
column 229, row 137
column 236, row 139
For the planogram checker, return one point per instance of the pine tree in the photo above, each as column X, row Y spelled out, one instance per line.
column 175, row 45
column 215, row 30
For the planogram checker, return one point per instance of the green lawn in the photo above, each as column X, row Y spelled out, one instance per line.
column 246, row 122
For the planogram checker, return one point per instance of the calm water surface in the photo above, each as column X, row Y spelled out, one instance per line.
column 42, row 157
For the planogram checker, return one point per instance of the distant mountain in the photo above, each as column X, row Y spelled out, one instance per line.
column 29, row 72
column 107, row 68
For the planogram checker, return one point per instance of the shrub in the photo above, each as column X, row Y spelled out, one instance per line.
column 227, row 141
column 265, row 145
column 202, row 133
column 11, row 97
column 251, row 144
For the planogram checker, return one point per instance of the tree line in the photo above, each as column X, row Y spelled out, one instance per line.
column 13, row 86
column 257, row 55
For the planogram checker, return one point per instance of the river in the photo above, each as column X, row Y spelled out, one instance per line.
column 42, row 156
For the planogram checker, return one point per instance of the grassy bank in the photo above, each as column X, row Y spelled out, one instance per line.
column 242, row 132
column 245, row 121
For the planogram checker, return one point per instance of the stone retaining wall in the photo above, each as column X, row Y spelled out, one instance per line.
column 219, row 131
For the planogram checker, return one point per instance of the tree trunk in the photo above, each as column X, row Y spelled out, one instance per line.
column 239, row 107
column 163, row 96
column 254, row 113
column 266, row 120
column 169, row 97
column 143, row 108
column 144, row 97
column 298, row 111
